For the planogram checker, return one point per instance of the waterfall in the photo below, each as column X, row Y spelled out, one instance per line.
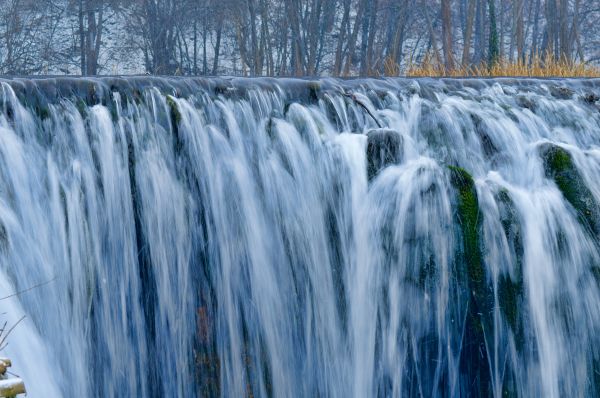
column 296, row 238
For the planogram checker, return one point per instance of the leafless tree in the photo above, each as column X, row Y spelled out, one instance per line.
column 286, row 37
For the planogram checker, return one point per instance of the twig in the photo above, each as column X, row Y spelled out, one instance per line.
column 10, row 330
column 13, row 374
column 353, row 97
column 28, row 289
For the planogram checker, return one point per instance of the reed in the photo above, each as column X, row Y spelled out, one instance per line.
column 535, row 66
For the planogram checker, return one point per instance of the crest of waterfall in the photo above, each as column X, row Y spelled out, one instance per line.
column 265, row 237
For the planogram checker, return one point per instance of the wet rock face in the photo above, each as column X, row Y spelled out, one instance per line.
column 471, row 274
column 560, row 92
column 590, row 98
column 559, row 166
column 384, row 148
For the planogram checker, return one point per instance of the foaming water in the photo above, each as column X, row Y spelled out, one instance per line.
column 265, row 238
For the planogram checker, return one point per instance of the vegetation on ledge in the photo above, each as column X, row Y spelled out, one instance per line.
column 535, row 67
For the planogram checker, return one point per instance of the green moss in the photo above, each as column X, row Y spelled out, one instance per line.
column 509, row 296
column 114, row 115
column 175, row 116
column 510, row 288
column 470, row 274
column 174, row 109
column 81, row 107
column 43, row 112
column 470, row 220
column 559, row 166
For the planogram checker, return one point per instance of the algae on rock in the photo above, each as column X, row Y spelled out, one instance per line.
column 559, row 166
column 471, row 275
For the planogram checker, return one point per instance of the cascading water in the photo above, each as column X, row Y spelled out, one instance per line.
column 231, row 237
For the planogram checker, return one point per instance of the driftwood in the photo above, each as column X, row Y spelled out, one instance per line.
column 354, row 98
column 9, row 387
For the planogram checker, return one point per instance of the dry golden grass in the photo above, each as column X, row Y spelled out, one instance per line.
column 536, row 67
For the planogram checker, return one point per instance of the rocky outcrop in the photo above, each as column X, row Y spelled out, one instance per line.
column 384, row 148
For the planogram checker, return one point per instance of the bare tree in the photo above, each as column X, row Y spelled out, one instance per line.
column 289, row 37
column 447, row 34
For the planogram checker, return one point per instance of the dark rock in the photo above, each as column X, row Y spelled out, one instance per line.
column 590, row 98
column 511, row 287
column 384, row 147
column 561, row 92
column 471, row 276
column 559, row 166
column 526, row 102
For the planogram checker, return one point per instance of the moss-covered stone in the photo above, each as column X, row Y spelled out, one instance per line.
column 43, row 112
column 175, row 117
column 470, row 222
column 510, row 288
column 174, row 109
column 470, row 273
column 81, row 107
column 559, row 166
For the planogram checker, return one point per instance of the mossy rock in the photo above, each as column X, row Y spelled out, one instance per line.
column 384, row 148
column 511, row 287
column 175, row 116
column 43, row 112
column 174, row 109
column 471, row 275
column 81, row 107
column 559, row 166
column 469, row 219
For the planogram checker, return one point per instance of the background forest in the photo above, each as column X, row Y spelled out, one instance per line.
column 290, row 37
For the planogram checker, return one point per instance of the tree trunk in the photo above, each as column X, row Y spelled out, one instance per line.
column 432, row 36
column 82, row 45
column 494, row 52
column 563, row 30
column 447, row 35
column 468, row 33
column 354, row 36
column 337, row 65
column 519, row 31
column 535, row 34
